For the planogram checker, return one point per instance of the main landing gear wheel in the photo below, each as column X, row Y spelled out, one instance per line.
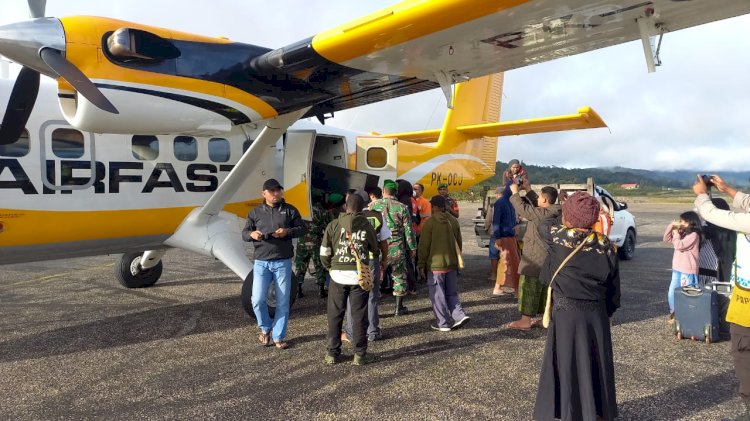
column 247, row 293
column 130, row 274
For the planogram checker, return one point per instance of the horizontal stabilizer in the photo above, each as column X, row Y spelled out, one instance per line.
column 586, row 118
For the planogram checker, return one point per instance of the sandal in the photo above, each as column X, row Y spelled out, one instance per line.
column 281, row 344
column 264, row 339
column 516, row 326
column 537, row 323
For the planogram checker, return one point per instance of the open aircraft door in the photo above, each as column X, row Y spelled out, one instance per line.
column 378, row 156
column 298, row 152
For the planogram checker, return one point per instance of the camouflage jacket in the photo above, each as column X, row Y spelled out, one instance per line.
column 316, row 227
column 396, row 215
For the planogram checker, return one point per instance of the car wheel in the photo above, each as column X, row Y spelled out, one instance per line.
column 627, row 251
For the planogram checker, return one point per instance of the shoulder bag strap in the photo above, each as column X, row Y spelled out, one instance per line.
column 570, row 256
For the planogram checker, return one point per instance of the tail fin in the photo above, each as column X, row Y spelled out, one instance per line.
column 476, row 102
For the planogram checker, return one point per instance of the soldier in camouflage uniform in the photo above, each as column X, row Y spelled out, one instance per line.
column 402, row 240
column 309, row 247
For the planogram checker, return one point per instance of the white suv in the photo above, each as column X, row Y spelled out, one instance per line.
column 623, row 224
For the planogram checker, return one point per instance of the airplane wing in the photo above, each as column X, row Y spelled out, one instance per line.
column 417, row 44
column 585, row 118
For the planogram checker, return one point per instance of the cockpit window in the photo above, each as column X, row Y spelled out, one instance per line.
column 127, row 44
column 18, row 148
column 67, row 143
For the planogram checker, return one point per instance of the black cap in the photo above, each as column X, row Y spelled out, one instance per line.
column 438, row 201
column 271, row 184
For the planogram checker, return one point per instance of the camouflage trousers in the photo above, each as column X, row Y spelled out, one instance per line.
column 302, row 257
column 397, row 261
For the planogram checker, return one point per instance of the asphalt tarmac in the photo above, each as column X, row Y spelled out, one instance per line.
column 74, row 344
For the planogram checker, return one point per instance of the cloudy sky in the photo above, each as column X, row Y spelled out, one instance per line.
column 692, row 113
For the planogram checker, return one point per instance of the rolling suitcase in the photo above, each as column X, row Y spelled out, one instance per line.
column 696, row 314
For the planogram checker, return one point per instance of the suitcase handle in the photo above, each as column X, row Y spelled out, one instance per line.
column 693, row 292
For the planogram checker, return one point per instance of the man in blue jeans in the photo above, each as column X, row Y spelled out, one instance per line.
column 271, row 226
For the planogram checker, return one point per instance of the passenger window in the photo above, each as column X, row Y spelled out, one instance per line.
column 145, row 148
column 185, row 148
column 67, row 143
column 377, row 158
column 218, row 150
column 18, row 148
column 246, row 145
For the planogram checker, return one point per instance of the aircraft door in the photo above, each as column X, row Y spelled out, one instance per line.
column 298, row 152
column 68, row 157
column 378, row 156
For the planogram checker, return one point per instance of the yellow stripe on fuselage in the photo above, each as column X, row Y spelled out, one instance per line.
column 33, row 227
column 83, row 48
column 399, row 23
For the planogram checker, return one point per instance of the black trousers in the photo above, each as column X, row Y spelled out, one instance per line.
column 337, row 295
column 741, row 354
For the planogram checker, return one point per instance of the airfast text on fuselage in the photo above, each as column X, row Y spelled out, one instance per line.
column 110, row 176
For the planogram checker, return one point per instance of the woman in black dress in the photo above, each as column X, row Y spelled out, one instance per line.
column 577, row 381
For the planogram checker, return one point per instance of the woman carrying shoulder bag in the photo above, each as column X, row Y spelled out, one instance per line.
column 577, row 381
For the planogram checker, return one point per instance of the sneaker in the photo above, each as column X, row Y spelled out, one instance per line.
column 332, row 359
column 440, row 329
column 372, row 337
column 461, row 322
column 362, row 359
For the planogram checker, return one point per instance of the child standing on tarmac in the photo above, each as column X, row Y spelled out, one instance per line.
column 685, row 235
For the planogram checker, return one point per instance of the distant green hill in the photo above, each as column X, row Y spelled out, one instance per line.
column 619, row 175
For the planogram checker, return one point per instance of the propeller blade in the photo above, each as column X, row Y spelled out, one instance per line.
column 75, row 77
column 21, row 103
column 36, row 8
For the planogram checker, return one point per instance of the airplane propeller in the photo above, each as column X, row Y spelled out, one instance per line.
column 36, row 8
column 39, row 46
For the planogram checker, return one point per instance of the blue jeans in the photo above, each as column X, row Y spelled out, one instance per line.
column 679, row 280
column 279, row 272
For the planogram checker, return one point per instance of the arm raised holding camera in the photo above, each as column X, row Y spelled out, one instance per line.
column 723, row 218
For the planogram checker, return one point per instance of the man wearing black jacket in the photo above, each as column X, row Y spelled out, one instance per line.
column 271, row 227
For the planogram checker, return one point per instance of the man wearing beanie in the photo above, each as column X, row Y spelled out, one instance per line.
column 538, row 210
column 402, row 240
column 514, row 173
column 439, row 248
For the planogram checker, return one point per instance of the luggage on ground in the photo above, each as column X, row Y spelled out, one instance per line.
column 696, row 314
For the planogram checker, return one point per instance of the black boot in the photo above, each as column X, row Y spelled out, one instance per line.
column 300, row 294
column 400, row 307
column 323, row 292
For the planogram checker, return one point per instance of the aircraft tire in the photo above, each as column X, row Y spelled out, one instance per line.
column 130, row 275
column 247, row 293
column 627, row 251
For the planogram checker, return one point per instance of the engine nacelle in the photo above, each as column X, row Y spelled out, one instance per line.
column 148, row 111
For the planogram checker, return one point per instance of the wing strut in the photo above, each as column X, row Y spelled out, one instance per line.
column 210, row 231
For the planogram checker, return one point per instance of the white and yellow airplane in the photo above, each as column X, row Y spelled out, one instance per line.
column 71, row 193
column 196, row 123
